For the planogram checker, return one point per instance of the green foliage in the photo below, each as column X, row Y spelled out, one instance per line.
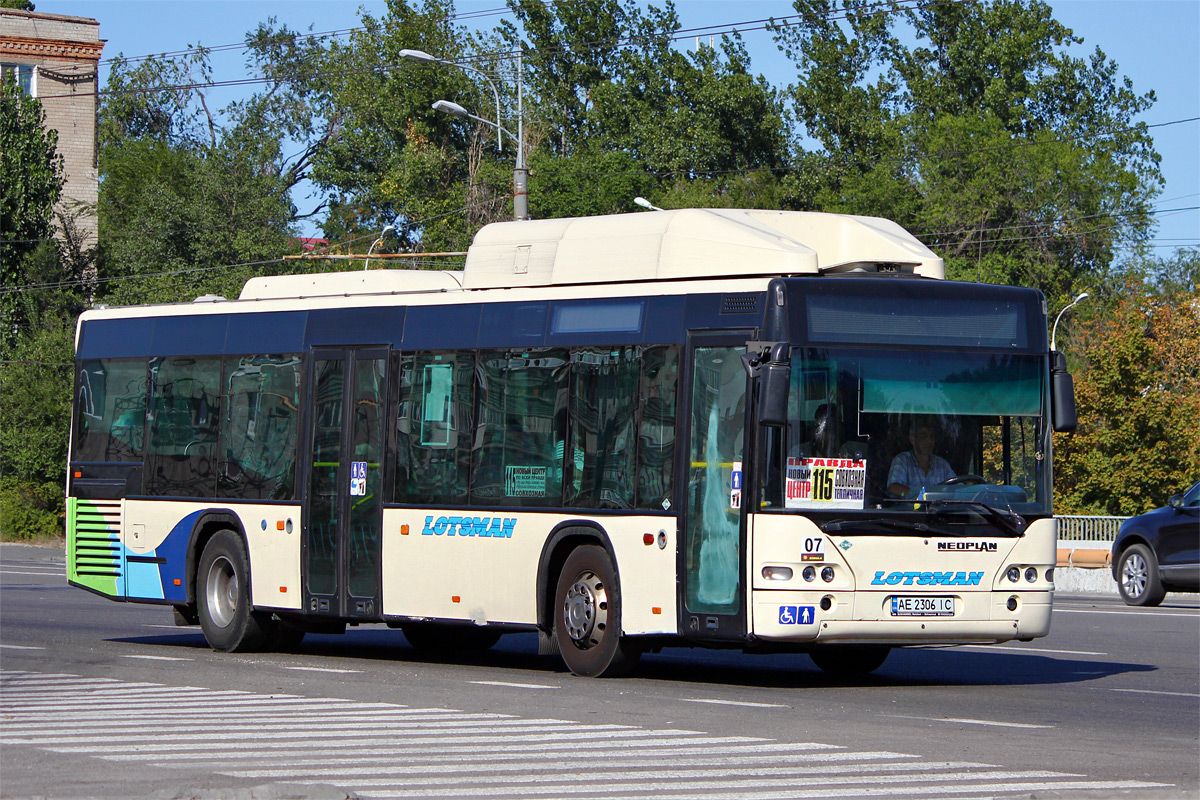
column 30, row 511
column 1137, row 379
column 1017, row 162
column 30, row 184
column 19, row 5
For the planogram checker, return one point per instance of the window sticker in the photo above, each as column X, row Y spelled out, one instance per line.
column 818, row 483
column 525, row 481
column 358, row 479
column 735, row 486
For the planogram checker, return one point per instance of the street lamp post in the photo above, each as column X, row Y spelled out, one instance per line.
column 388, row 232
column 1054, row 330
column 520, row 172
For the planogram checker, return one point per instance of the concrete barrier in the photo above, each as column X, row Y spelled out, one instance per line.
column 1084, row 567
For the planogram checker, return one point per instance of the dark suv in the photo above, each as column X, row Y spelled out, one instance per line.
column 1159, row 551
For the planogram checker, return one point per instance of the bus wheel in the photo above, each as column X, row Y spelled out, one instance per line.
column 446, row 638
column 850, row 660
column 587, row 618
column 223, row 597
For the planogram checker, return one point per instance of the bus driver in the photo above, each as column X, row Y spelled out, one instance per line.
column 919, row 468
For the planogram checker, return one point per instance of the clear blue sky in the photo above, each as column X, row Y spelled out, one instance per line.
column 1156, row 43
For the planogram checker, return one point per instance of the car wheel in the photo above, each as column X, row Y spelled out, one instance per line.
column 223, row 597
column 1137, row 577
column 850, row 660
column 587, row 616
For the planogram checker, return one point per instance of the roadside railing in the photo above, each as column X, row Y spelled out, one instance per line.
column 1088, row 529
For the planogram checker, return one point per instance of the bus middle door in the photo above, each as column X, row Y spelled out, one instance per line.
column 713, row 550
column 343, row 509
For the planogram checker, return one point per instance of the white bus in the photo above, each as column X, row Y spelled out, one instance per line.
column 691, row 427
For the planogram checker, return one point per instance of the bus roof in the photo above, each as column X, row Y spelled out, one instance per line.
column 683, row 244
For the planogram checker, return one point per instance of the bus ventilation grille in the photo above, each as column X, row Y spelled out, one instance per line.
column 97, row 548
column 739, row 304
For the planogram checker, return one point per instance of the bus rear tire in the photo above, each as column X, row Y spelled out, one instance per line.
column 850, row 660
column 447, row 638
column 587, row 617
column 223, row 597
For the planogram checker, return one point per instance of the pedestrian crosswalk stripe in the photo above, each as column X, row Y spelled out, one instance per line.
column 390, row 750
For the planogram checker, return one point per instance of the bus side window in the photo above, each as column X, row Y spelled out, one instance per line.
column 517, row 456
column 603, row 406
column 259, row 427
column 112, row 410
column 656, row 430
column 184, row 407
column 433, row 428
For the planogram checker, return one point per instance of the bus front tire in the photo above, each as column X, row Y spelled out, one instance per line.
column 587, row 616
column 850, row 660
column 223, row 597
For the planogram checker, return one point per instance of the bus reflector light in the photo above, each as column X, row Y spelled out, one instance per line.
column 283, row 589
column 78, row 474
column 404, row 530
column 647, row 538
column 279, row 525
column 655, row 610
column 455, row 598
column 178, row 582
column 1050, row 575
column 777, row 573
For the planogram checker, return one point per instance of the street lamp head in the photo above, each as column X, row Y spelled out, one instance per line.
column 1082, row 296
column 420, row 56
column 388, row 232
column 453, row 109
column 644, row 203
column 1054, row 329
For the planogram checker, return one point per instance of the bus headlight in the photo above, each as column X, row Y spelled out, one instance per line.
column 1013, row 574
column 827, row 574
column 1031, row 574
column 810, row 574
column 777, row 573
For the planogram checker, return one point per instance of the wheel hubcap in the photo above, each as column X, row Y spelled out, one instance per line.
column 585, row 610
column 1135, row 574
column 221, row 589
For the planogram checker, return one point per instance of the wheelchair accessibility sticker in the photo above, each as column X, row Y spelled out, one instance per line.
column 797, row 615
column 358, row 479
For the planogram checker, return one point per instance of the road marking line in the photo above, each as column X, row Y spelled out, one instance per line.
column 514, row 685
column 745, row 703
column 20, row 647
column 1162, row 612
column 159, row 658
column 325, row 669
column 1029, row 651
column 964, row 721
column 1150, row 691
column 42, row 574
column 124, row 735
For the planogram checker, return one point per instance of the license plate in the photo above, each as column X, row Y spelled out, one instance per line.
column 922, row 606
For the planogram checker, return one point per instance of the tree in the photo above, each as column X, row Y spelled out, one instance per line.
column 1137, row 379
column 1016, row 161
column 30, row 185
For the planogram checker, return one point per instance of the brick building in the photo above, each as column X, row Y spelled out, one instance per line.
column 54, row 58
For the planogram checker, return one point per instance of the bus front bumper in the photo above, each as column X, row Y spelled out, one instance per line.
column 873, row 617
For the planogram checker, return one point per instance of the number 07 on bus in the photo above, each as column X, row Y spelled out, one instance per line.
column 759, row 430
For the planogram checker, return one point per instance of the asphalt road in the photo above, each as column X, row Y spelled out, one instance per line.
column 102, row 699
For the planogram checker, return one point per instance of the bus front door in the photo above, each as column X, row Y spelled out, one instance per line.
column 343, row 511
column 712, row 558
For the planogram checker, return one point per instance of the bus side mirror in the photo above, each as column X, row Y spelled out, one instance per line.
column 774, row 378
column 1062, row 394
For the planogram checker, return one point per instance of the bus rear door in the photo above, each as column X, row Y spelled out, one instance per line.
column 343, row 509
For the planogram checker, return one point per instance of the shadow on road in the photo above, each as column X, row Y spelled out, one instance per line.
column 916, row 667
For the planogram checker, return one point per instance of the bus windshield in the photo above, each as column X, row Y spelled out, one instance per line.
column 911, row 430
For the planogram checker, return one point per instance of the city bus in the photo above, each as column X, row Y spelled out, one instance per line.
column 695, row 427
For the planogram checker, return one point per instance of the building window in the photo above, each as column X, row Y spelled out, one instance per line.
column 21, row 74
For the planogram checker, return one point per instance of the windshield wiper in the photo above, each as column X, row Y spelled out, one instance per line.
column 886, row 522
column 1009, row 520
